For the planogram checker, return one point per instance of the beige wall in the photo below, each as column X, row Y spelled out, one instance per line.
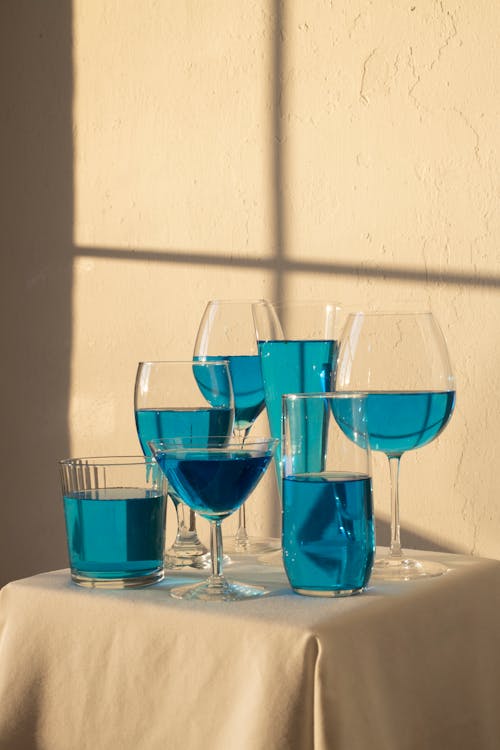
column 173, row 152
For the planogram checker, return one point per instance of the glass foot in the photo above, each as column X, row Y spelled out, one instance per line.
column 252, row 545
column 219, row 590
column 106, row 581
column 405, row 569
column 187, row 551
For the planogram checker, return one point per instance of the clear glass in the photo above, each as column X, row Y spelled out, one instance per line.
column 181, row 399
column 227, row 331
column 401, row 361
column 328, row 533
column 297, row 343
column 214, row 477
column 115, row 512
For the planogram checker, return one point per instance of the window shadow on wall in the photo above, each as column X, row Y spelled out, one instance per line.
column 37, row 254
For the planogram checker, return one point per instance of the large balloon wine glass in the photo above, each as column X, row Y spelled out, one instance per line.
column 401, row 361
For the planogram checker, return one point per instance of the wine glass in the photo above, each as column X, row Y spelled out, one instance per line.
column 214, row 477
column 298, row 348
column 227, row 331
column 176, row 399
column 401, row 361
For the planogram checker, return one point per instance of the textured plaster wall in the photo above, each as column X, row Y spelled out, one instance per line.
column 345, row 150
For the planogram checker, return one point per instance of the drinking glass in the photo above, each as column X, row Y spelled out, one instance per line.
column 114, row 509
column 214, row 477
column 181, row 399
column 298, row 348
column 227, row 331
column 328, row 532
column 401, row 361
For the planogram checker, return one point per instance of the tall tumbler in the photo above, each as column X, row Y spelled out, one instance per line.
column 298, row 351
column 328, row 536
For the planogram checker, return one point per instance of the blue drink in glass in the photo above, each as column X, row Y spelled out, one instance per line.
column 328, row 531
column 183, row 398
column 164, row 423
column 304, row 366
column 328, row 534
column 115, row 533
column 401, row 421
column 248, row 387
column 213, row 485
column 214, row 481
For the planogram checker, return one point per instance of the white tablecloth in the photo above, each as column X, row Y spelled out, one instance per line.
column 406, row 666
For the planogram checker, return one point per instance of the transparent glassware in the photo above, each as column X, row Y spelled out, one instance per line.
column 297, row 342
column 328, row 529
column 401, row 361
column 227, row 331
column 182, row 399
column 214, row 477
column 115, row 514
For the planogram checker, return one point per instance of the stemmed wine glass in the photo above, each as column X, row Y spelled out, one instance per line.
column 181, row 399
column 214, row 477
column 227, row 331
column 401, row 361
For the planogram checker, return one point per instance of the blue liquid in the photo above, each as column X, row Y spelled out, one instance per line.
column 116, row 532
column 295, row 367
column 214, row 485
column 328, row 533
column 248, row 387
column 213, row 380
column 168, row 423
column 399, row 422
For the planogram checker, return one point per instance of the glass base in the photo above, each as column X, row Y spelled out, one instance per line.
column 122, row 582
column 405, row 569
column 252, row 545
column 187, row 551
column 332, row 593
column 218, row 590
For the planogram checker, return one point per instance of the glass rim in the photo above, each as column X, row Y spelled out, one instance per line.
column 217, row 362
column 231, row 301
column 231, row 443
column 325, row 394
column 134, row 460
column 400, row 313
column 304, row 303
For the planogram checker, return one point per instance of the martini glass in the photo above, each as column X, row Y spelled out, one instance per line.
column 227, row 331
column 400, row 360
column 183, row 398
column 214, row 477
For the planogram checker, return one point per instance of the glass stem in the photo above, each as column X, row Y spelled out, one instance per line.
column 181, row 524
column 185, row 532
column 192, row 521
column 395, row 549
column 216, row 552
column 242, row 533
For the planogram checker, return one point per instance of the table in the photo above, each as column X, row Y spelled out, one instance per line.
column 405, row 666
